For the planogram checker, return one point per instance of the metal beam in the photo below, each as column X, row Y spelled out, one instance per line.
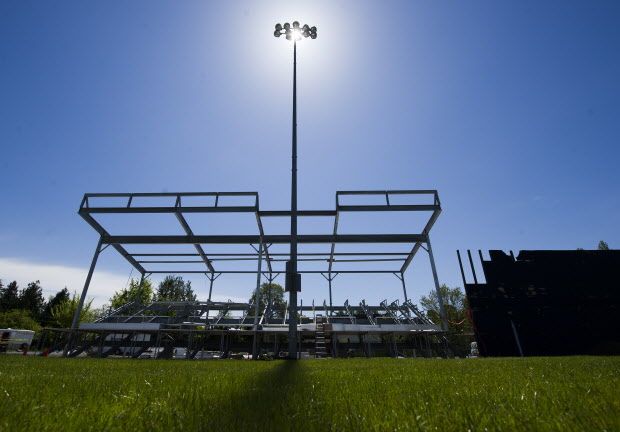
column 325, row 254
column 263, row 213
column 253, row 272
column 287, row 213
column 382, row 207
column 256, row 303
column 167, row 194
column 198, row 247
column 80, row 305
column 331, row 254
column 442, row 309
column 274, row 239
column 103, row 233
column 168, row 209
column 271, row 260
column 262, row 236
column 390, row 192
column 426, row 231
column 333, row 245
column 409, row 258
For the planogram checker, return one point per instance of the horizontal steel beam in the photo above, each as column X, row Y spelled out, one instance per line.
column 326, row 254
column 274, row 239
column 272, row 260
column 285, row 213
column 375, row 208
column 167, row 194
column 177, row 209
column 252, row 209
column 389, row 192
column 254, row 271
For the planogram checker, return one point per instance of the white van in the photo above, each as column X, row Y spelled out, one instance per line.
column 13, row 339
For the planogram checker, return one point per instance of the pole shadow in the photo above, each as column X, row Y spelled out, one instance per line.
column 264, row 402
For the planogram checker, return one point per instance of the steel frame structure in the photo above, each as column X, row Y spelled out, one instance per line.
column 94, row 204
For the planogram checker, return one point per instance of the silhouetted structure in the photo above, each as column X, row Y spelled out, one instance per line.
column 546, row 302
column 205, row 250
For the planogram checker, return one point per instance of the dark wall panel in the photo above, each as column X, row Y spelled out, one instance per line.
column 559, row 303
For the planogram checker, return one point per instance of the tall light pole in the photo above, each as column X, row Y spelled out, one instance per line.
column 293, row 280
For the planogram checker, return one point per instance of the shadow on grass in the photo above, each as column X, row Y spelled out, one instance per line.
column 270, row 399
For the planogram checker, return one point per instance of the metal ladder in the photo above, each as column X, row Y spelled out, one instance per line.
column 417, row 312
column 422, row 317
column 371, row 319
column 404, row 312
column 349, row 314
column 390, row 312
column 221, row 314
column 320, row 349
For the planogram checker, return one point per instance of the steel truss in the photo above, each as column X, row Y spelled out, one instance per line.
column 95, row 205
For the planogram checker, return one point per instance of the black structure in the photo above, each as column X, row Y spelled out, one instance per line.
column 546, row 302
column 161, row 257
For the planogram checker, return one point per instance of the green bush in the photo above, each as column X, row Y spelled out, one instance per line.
column 63, row 312
column 18, row 319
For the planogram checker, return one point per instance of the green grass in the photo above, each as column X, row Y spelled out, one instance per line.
column 570, row 393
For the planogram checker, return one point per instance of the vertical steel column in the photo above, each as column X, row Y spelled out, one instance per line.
column 78, row 310
column 292, row 322
column 473, row 269
column 442, row 309
column 458, row 254
column 402, row 279
column 211, row 279
column 329, row 280
column 256, row 302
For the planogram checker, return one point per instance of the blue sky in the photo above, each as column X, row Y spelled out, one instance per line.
column 510, row 110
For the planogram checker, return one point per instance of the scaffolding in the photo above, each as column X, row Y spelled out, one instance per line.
column 207, row 326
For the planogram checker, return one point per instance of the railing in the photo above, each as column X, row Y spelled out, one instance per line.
column 130, row 206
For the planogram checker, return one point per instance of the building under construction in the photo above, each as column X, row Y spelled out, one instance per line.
column 545, row 302
column 212, row 329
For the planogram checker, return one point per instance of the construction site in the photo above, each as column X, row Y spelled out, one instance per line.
column 216, row 329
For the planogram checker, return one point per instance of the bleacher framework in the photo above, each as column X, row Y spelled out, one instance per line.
column 209, row 328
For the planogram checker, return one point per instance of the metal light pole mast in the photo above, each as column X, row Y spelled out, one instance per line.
column 293, row 33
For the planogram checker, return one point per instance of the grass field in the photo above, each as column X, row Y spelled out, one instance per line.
column 570, row 393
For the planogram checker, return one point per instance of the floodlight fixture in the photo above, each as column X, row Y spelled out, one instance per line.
column 295, row 32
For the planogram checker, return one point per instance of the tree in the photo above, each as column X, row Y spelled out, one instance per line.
column 31, row 299
column 18, row 319
column 455, row 305
column 9, row 297
column 174, row 288
column 63, row 312
column 101, row 311
column 142, row 293
column 602, row 245
column 454, row 302
column 271, row 292
column 60, row 297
